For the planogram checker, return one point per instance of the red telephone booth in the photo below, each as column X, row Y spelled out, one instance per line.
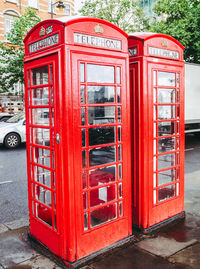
column 78, row 142
column 157, row 89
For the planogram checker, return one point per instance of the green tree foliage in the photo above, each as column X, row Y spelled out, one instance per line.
column 124, row 13
column 182, row 22
column 12, row 52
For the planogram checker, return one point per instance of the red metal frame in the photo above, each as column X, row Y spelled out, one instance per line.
column 154, row 203
column 58, row 48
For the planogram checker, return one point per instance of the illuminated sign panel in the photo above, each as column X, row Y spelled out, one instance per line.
column 164, row 53
column 97, row 41
column 44, row 43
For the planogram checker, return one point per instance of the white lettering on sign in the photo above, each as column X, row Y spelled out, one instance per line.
column 97, row 41
column 44, row 43
column 164, row 53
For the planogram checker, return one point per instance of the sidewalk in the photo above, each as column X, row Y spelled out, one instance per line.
column 176, row 246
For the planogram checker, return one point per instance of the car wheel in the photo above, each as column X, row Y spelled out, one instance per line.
column 12, row 140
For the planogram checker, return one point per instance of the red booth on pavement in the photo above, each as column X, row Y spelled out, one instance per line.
column 157, row 89
column 78, row 135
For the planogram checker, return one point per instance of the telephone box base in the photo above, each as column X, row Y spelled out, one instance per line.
column 160, row 224
column 66, row 264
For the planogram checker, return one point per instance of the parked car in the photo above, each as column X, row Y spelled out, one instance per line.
column 5, row 116
column 13, row 131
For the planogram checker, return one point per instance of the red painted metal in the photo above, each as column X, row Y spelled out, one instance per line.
column 78, row 144
column 157, row 94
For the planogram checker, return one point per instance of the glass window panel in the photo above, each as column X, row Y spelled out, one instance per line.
column 166, row 128
column 166, row 112
column 178, row 80
column 84, row 159
column 55, row 222
column 82, row 115
column 120, row 190
column 53, row 159
column 42, row 156
column 85, row 206
column 82, row 72
column 166, row 144
column 154, row 113
column 83, row 138
column 177, row 143
column 51, row 73
column 166, row 193
column 82, row 94
column 41, row 136
column 177, row 189
column 166, row 177
column 28, row 77
column 119, row 153
column 53, row 179
column 40, row 75
column 154, row 78
column 101, row 94
column 154, row 129
column 154, row 180
column 118, row 75
column 178, row 127
column 154, row 147
column 52, row 116
column 118, row 94
column 119, row 113
column 119, row 134
column 154, row 163
column 101, row 135
column 103, row 215
column 177, row 176
column 166, row 95
column 51, row 92
column 165, row 161
column 100, row 73
column 102, row 175
column 102, row 195
column 43, row 195
column 42, row 176
column 43, row 213
column 84, row 179
column 154, row 95
column 120, row 171
column 120, row 209
column 178, row 111
column 40, row 96
column 85, row 221
column 40, row 116
column 154, row 197
column 101, row 115
column 178, row 96
column 166, row 79
column 178, row 160
column 102, row 155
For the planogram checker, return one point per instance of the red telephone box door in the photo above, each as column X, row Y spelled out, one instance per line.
column 101, row 135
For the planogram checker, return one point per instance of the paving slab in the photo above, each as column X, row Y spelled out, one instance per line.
column 162, row 246
column 3, row 228
column 40, row 262
column 189, row 257
column 17, row 224
column 14, row 251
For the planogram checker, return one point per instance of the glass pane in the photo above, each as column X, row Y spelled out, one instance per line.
column 41, row 136
column 154, row 180
column 154, row 147
column 178, row 96
column 103, row 215
column 101, row 94
column 154, row 197
column 39, row 75
column 44, row 213
column 85, row 206
column 102, row 195
column 52, row 116
column 83, row 138
column 101, row 135
column 82, row 72
column 40, row 116
column 166, row 96
column 166, row 193
column 42, row 176
column 43, row 195
column 102, row 175
column 118, row 75
column 42, row 156
column 119, row 153
column 166, row 144
column 120, row 171
column 166, row 112
column 165, row 161
column 84, row 179
column 118, row 94
column 82, row 94
column 119, row 113
column 82, row 115
column 101, row 115
column 154, row 95
column 51, row 92
column 166, row 79
column 103, row 155
column 51, row 73
column 154, row 113
column 85, row 221
column 84, row 159
column 100, row 73
column 119, row 133
column 154, row 78
column 120, row 209
column 178, row 80
column 177, row 189
column 166, row 128
column 120, row 190
column 166, row 177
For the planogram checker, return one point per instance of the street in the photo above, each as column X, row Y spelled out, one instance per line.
column 13, row 181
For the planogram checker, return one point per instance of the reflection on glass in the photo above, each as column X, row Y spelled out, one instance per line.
column 84, row 179
column 178, row 80
column 102, row 195
column 178, row 111
column 119, row 134
column 166, row 112
column 39, row 75
column 102, row 175
column 166, row 177
column 165, row 161
column 43, row 195
column 101, row 94
column 166, row 79
column 178, row 160
column 154, row 78
column 119, row 113
column 40, row 96
column 100, row 73
column 119, row 152
column 82, row 94
column 103, row 155
column 178, row 96
column 166, row 128
column 85, row 200
column 118, row 94
column 51, row 92
column 101, row 135
column 84, row 158
column 42, row 176
column 40, row 116
column 177, row 176
column 154, row 180
column 154, row 197
column 166, row 193
column 120, row 171
column 154, row 113
column 118, row 75
column 51, row 73
column 28, row 77
column 82, row 115
column 120, row 209
column 41, row 136
column 103, row 215
column 42, row 156
column 101, row 115
column 85, row 221
column 82, row 72
column 83, row 138
column 154, row 95
column 166, row 95
column 44, row 214
column 52, row 116
column 120, row 190
column 166, row 144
